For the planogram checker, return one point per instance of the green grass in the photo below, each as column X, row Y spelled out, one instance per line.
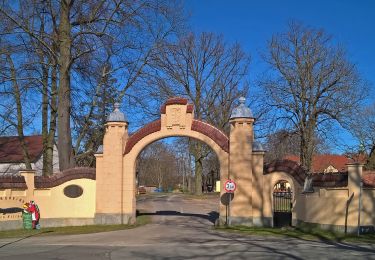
column 313, row 235
column 70, row 230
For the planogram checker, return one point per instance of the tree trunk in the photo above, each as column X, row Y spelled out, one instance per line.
column 370, row 164
column 66, row 158
column 52, row 124
column 17, row 98
column 45, row 102
column 197, row 154
column 307, row 149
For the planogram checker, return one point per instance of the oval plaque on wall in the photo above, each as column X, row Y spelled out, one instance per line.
column 73, row 191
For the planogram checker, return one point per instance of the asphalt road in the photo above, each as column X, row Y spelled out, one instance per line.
column 182, row 228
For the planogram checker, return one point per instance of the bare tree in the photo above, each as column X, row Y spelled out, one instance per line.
column 69, row 35
column 158, row 166
column 362, row 127
column 280, row 144
column 312, row 84
column 211, row 74
column 16, row 93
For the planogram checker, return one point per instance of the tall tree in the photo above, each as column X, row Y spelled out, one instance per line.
column 312, row 84
column 72, row 38
column 283, row 143
column 16, row 93
column 158, row 166
column 211, row 73
column 362, row 127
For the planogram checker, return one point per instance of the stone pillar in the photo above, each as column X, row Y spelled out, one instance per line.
column 354, row 182
column 29, row 176
column 262, row 213
column 109, row 174
column 240, row 164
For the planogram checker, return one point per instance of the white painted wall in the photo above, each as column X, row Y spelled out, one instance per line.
column 14, row 168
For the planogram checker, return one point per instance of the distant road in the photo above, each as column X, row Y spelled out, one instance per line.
column 182, row 228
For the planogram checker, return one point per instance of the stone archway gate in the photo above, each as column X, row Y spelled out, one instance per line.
column 116, row 164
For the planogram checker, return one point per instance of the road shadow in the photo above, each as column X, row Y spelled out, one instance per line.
column 23, row 238
column 211, row 216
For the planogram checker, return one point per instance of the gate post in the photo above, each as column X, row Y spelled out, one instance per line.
column 240, row 163
column 109, row 171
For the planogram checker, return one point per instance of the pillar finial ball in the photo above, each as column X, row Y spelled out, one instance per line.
column 242, row 100
column 241, row 111
column 117, row 115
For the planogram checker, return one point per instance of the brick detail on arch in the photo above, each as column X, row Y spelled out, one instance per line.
column 212, row 132
column 176, row 101
column 150, row 128
column 290, row 167
column 42, row 182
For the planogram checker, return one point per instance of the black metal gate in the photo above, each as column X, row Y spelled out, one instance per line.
column 282, row 208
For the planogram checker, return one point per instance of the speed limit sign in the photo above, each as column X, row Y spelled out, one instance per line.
column 230, row 186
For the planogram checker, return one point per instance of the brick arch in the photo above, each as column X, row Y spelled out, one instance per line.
column 197, row 126
column 291, row 168
column 297, row 172
column 148, row 129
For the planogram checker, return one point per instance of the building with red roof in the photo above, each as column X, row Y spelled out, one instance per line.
column 324, row 163
column 11, row 154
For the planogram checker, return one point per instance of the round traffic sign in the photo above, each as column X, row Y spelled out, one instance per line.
column 230, row 186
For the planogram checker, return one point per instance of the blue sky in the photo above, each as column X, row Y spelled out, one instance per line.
column 252, row 23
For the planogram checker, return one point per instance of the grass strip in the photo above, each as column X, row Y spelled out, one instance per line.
column 313, row 235
column 72, row 230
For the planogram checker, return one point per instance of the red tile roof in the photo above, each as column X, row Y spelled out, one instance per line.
column 322, row 161
column 324, row 180
column 11, row 151
column 368, row 178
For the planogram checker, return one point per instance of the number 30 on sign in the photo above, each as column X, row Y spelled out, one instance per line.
column 230, row 186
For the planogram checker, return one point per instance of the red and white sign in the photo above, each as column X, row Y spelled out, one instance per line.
column 230, row 186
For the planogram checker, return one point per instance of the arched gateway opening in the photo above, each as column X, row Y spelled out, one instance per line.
column 116, row 165
column 165, row 177
column 175, row 122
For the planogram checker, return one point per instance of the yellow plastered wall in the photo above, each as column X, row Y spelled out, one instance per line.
column 326, row 206
column 337, row 207
column 52, row 202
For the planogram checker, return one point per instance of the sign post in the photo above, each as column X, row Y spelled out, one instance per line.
column 229, row 187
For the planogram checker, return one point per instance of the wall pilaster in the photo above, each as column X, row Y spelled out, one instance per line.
column 240, row 168
column 109, row 177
